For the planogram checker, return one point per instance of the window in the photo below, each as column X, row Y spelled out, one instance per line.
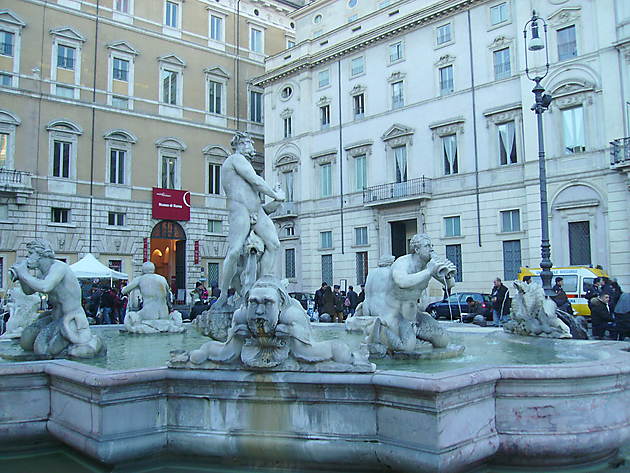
column 395, row 52
column 169, row 172
column 324, row 116
column 361, row 263
column 214, row 178
column 120, row 102
column 288, row 127
column 213, row 273
column 567, row 44
column 7, row 41
column 215, row 226
column 317, row 19
column 326, row 180
column 511, row 259
column 288, row 185
column 327, row 268
column 289, row 263
column 357, row 66
column 358, row 106
column 65, row 57
column 452, row 227
column 61, row 158
column 360, row 163
column 169, row 87
column 6, row 79
column 4, row 149
column 116, row 219
column 454, row 255
column 216, row 28
column 256, row 40
column 400, row 157
column 290, row 43
column 117, row 158
column 120, row 69
column 510, row 221
column 286, row 92
column 398, row 100
column 289, row 231
column 507, row 143
column 323, row 78
column 63, row 91
column 325, row 239
column 115, row 264
column 361, row 236
column 449, row 153
column 215, row 91
column 573, row 130
column 579, row 243
column 499, row 13
column 121, row 6
column 255, row 106
column 171, row 14
column 444, row 34
column 446, row 80
column 502, row 67
column 59, row 215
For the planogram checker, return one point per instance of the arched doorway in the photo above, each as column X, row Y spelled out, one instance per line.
column 168, row 254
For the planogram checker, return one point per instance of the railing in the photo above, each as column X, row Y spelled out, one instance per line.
column 285, row 210
column 15, row 178
column 397, row 190
column 620, row 151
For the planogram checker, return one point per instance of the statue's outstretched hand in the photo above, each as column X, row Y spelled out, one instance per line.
column 280, row 194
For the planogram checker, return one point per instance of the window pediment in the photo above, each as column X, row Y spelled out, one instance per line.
column 68, row 33
column 217, row 71
column 358, row 89
column 172, row 59
column 397, row 131
column 7, row 16
column 286, row 113
column 65, row 126
column 500, row 42
column 572, row 93
column 123, row 47
column 323, row 101
column 445, row 60
column 171, row 143
column 359, row 149
column 447, row 127
column 325, row 157
column 503, row 114
column 565, row 16
column 214, row 150
column 396, row 76
column 287, row 161
column 7, row 118
column 120, row 135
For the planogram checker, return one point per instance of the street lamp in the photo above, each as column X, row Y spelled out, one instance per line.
column 535, row 43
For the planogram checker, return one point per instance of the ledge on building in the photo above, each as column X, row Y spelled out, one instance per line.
column 396, row 192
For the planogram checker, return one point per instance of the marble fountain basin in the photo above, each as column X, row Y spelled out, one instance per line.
column 508, row 400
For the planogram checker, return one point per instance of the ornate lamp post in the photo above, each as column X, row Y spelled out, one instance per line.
column 542, row 101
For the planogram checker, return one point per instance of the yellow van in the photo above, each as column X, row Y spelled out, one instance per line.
column 577, row 281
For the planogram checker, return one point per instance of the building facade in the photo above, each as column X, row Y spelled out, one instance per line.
column 394, row 117
column 115, row 117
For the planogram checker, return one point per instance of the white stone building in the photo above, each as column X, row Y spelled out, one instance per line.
column 389, row 118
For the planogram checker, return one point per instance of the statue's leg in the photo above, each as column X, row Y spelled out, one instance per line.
column 266, row 230
column 239, row 229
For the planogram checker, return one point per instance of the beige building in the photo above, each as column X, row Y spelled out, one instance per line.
column 107, row 106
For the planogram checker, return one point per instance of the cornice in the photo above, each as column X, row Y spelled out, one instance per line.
column 410, row 22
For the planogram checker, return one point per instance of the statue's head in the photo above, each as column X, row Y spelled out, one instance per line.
column 38, row 249
column 265, row 300
column 422, row 246
column 148, row 268
column 242, row 143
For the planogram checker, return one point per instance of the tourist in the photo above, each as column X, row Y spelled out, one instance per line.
column 473, row 309
column 318, row 297
column 594, row 290
column 561, row 299
column 107, row 306
column 337, row 315
column 353, row 299
column 327, row 303
column 622, row 316
column 362, row 293
column 500, row 301
column 601, row 318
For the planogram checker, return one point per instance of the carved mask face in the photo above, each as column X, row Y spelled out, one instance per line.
column 263, row 310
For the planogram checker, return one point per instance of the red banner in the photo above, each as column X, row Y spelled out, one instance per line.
column 196, row 251
column 171, row 204
column 145, row 250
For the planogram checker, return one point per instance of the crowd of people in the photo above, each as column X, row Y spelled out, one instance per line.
column 335, row 305
column 610, row 309
column 105, row 304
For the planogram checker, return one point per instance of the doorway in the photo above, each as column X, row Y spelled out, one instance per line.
column 402, row 231
column 168, row 254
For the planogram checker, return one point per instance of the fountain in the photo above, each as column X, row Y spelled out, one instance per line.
column 282, row 393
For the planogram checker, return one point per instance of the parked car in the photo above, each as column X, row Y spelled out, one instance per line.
column 456, row 304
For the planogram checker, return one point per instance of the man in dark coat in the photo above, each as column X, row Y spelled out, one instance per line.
column 318, row 298
column 327, row 302
column 561, row 299
column 353, row 297
column 600, row 314
column 594, row 290
column 339, row 299
column 500, row 301
column 362, row 293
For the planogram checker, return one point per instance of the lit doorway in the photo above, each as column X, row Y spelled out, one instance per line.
column 402, row 231
column 168, row 254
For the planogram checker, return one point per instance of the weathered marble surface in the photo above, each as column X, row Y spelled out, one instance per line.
column 534, row 315
column 215, row 323
column 271, row 331
column 64, row 331
column 528, row 416
column 22, row 311
column 155, row 316
column 389, row 315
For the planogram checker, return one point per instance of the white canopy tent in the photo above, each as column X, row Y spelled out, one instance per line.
column 89, row 267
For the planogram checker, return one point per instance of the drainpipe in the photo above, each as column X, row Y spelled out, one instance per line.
column 92, row 144
column 340, row 157
column 474, row 122
column 237, row 64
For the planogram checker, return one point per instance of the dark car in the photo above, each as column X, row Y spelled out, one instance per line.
column 304, row 298
column 456, row 305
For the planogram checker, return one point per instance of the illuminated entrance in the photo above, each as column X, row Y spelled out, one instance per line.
column 168, row 254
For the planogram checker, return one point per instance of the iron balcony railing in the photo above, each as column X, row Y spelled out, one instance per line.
column 397, row 190
column 15, row 178
column 620, row 151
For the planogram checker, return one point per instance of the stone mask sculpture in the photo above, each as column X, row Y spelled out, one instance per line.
column 64, row 331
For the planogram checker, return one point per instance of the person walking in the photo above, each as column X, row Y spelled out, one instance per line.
column 327, row 303
column 338, row 301
column 600, row 315
column 361, row 294
column 353, row 298
column 107, row 306
column 318, row 301
column 500, row 302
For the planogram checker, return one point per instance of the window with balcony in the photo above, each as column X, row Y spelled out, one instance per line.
column 116, row 219
column 510, row 221
column 452, row 226
column 502, row 66
column 567, row 43
column 507, row 143
column 444, row 34
column 446, row 80
column 573, row 130
column 449, row 154
column 4, row 149
column 400, row 158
